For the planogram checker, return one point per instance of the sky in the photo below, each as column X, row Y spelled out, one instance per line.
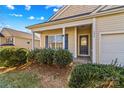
column 19, row 16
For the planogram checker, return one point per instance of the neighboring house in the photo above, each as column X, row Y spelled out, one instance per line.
column 88, row 31
column 11, row 37
column 1, row 38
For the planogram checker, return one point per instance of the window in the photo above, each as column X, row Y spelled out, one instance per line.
column 28, row 42
column 55, row 41
column 51, row 41
column 9, row 40
column 59, row 41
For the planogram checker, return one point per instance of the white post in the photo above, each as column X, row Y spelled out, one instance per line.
column 75, row 37
column 94, row 41
column 33, row 40
column 63, row 33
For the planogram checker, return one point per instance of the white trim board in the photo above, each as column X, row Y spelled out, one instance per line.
column 94, row 41
column 76, row 41
column 89, row 41
column 70, row 24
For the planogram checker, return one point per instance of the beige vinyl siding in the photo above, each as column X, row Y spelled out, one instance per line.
column 111, row 23
column 76, row 10
column 47, row 33
column 71, row 36
column 2, row 40
column 69, row 31
column 22, row 43
column 37, row 43
column 71, row 39
column 20, row 38
column 84, row 31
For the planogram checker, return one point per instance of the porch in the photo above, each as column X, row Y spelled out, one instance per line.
column 78, row 39
column 82, row 60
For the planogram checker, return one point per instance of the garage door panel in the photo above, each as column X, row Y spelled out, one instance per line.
column 107, row 59
column 112, row 47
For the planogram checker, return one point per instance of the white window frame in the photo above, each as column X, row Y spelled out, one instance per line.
column 55, row 38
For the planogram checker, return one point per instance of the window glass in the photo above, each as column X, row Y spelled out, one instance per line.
column 55, row 41
column 59, row 42
column 9, row 40
column 51, row 41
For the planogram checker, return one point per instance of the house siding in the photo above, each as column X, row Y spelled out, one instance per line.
column 71, row 36
column 2, row 40
column 22, row 43
column 85, row 31
column 71, row 39
column 19, row 41
column 69, row 31
column 47, row 33
column 110, row 23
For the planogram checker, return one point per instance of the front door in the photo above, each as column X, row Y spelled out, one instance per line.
column 84, row 45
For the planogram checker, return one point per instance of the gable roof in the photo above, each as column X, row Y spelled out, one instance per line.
column 75, row 10
column 58, row 12
column 16, row 33
column 111, row 7
column 70, row 12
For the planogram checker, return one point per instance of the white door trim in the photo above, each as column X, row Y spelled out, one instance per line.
column 88, row 34
column 106, row 33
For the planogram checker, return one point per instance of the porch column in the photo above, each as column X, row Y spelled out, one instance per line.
column 63, row 33
column 33, row 40
column 94, row 41
column 75, row 37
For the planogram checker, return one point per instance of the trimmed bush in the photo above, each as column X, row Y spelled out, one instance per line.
column 32, row 57
column 45, row 56
column 51, row 56
column 96, row 76
column 62, row 57
column 11, row 56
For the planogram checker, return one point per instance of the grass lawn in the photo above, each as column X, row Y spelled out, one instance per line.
column 19, row 80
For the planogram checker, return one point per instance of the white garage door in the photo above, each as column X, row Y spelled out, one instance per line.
column 112, row 47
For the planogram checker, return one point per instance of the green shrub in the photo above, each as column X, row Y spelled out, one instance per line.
column 32, row 57
column 45, row 56
column 92, row 75
column 11, row 56
column 62, row 57
column 51, row 56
